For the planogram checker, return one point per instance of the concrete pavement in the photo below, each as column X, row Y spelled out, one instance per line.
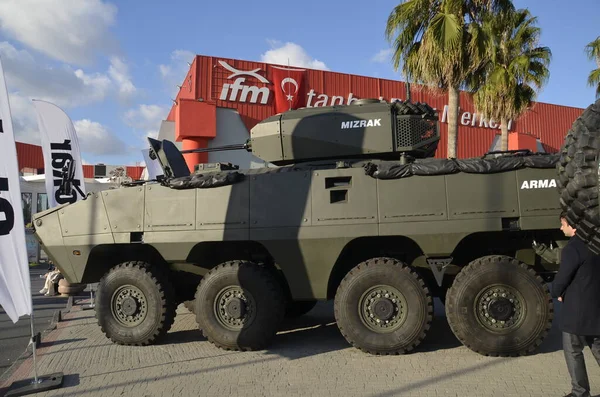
column 14, row 338
column 308, row 358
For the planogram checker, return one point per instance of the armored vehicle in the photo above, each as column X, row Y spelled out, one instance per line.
column 353, row 208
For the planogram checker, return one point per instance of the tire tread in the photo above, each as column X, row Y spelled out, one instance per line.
column 166, row 292
column 473, row 267
column 403, row 268
column 274, row 291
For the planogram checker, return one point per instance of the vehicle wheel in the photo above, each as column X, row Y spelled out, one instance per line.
column 134, row 304
column 498, row 306
column 383, row 307
column 578, row 176
column 239, row 306
column 299, row 308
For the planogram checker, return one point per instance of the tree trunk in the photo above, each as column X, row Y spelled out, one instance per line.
column 504, row 136
column 452, row 121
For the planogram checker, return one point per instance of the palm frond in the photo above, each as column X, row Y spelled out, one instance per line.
column 445, row 30
column 594, row 80
column 592, row 49
column 517, row 68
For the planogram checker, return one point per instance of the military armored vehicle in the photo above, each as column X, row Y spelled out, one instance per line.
column 353, row 208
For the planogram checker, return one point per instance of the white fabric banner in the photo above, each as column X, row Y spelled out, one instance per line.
column 152, row 166
column 15, row 285
column 62, row 157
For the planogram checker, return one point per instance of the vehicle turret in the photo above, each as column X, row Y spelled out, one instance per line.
column 365, row 129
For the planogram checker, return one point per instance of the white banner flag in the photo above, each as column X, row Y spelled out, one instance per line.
column 153, row 167
column 62, row 157
column 15, row 285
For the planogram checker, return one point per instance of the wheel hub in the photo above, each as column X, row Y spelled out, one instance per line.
column 382, row 308
column 129, row 305
column 500, row 309
column 235, row 308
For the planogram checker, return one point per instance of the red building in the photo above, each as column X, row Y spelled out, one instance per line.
column 216, row 91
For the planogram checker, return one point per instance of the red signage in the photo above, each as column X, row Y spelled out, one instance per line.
column 290, row 88
column 287, row 88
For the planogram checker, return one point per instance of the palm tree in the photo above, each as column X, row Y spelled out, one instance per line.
column 516, row 67
column 441, row 44
column 593, row 52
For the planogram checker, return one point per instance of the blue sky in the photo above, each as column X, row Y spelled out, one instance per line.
column 113, row 65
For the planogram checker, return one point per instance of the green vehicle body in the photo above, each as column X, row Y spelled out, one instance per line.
column 316, row 214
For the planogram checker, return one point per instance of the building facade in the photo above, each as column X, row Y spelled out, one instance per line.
column 221, row 99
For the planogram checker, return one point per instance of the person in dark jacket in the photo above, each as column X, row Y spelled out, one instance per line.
column 577, row 286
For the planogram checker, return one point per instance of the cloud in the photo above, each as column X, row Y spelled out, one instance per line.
column 24, row 119
column 27, row 79
column 147, row 118
column 73, row 31
column 383, row 56
column 295, row 54
column 95, row 139
column 119, row 73
column 62, row 86
column 175, row 71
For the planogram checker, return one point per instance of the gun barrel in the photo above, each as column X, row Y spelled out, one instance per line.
column 218, row 148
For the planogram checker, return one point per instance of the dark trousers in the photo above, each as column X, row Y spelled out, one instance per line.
column 573, row 347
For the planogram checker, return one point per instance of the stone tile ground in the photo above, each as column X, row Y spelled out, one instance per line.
column 308, row 358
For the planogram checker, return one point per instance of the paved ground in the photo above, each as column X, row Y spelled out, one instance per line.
column 309, row 358
column 14, row 338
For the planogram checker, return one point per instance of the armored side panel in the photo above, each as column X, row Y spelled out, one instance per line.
column 227, row 207
column 79, row 227
column 472, row 196
column 539, row 203
column 49, row 233
column 84, row 225
column 305, row 218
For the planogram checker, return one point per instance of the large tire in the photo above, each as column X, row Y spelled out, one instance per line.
column 134, row 304
column 383, row 289
column 578, row 176
column 481, row 309
column 299, row 308
column 239, row 306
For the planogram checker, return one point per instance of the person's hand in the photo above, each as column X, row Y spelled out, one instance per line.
column 560, row 298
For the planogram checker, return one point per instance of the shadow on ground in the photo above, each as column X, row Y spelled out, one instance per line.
column 59, row 342
column 184, row 336
column 70, row 380
column 316, row 333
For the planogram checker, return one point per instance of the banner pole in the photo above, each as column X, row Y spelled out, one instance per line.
column 33, row 341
